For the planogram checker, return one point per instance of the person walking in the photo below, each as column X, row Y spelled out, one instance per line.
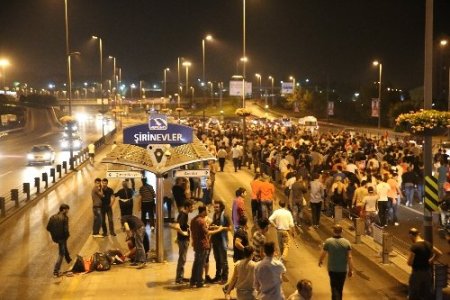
column 266, row 194
column 340, row 262
column 147, row 196
column 409, row 182
column 394, row 196
column 58, row 226
column 298, row 190
column 240, row 239
column 282, row 220
column 383, row 189
column 255, row 201
column 135, row 227
column 125, row 195
column 183, row 234
column 200, row 240
column 370, row 211
column 222, row 156
column 238, row 207
column 178, row 192
column 268, row 275
column 243, row 277
column 235, row 155
column 316, row 195
column 97, row 195
column 421, row 257
column 259, row 239
column 107, row 203
column 219, row 241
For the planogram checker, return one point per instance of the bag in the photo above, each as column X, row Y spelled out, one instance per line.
column 88, row 265
column 78, row 266
column 101, row 262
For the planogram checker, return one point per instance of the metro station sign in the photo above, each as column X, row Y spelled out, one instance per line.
column 192, row 173
column 123, row 174
column 158, row 131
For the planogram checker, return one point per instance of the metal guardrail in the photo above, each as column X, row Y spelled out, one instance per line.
column 20, row 195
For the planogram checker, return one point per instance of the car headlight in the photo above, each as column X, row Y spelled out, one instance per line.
column 47, row 155
column 30, row 156
column 64, row 144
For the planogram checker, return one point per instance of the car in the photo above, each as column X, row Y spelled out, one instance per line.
column 77, row 143
column 73, row 126
column 41, row 153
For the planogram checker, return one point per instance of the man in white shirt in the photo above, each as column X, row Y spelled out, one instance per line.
column 283, row 221
column 382, row 190
column 268, row 275
column 370, row 209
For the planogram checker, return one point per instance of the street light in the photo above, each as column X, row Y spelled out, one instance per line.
column 257, row 75
column 100, row 45
column 444, row 44
column 207, row 38
column 132, row 86
column 165, row 80
column 187, row 64
column 271, row 92
column 292, row 78
column 114, row 77
column 378, row 64
column 4, row 63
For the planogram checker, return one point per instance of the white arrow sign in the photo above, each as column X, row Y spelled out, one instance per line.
column 192, row 173
column 123, row 174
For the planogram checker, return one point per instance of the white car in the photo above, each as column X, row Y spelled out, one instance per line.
column 41, row 154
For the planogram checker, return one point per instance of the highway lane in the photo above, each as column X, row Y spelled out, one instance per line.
column 41, row 128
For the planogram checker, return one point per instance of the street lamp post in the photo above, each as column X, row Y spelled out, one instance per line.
column 100, row 45
column 258, row 76
column 187, row 64
column 4, row 63
column 165, row 81
column 271, row 91
column 292, row 78
column 380, row 70
column 114, row 82
column 207, row 38
column 444, row 44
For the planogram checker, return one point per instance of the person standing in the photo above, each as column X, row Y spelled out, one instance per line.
column 178, row 192
column 255, row 201
column 298, row 189
column 97, row 195
column 409, row 182
column 147, row 195
column 268, row 275
column 91, row 152
column 134, row 226
column 243, row 277
column 370, row 209
column 383, row 189
column 183, row 234
column 282, row 220
column 201, row 245
column 394, row 196
column 107, row 203
column 266, row 194
column 58, row 226
column 235, row 155
column 421, row 257
column 259, row 239
column 222, row 156
column 315, row 199
column 125, row 195
column 340, row 262
column 240, row 239
column 238, row 208
column 219, row 241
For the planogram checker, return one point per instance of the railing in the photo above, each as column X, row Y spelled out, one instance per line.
column 24, row 193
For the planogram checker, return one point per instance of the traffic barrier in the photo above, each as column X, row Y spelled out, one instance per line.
column 58, row 169
column 26, row 190
column 2, row 207
column 53, row 175
column 440, row 279
column 359, row 225
column 15, row 197
column 45, row 179
column 64, row 165
column 37, row 184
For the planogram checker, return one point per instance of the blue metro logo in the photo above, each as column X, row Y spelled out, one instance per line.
column 157, row 122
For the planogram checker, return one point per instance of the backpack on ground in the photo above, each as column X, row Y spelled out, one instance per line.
column 78, row 266
column 101, row 262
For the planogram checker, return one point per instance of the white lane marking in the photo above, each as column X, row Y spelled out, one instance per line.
column 1, row 175
column 413, row 210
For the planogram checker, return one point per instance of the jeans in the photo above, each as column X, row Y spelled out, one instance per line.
column 266, row 208
column 107, row 211
column 420, row 285
column 392, row 209
column 297, row 214
column 148, row 207
column 139, row 240
column 197, row 267
column 420, row 192
column 337, row 280
column 283, row 243
column 256, row 209
column 220, row 256
column 183, row 246
column 63, row 252
column 315, row 213
column 236, row 164
column 409, row 194
column 382, row 211
column 221, row 163
column 97, row 220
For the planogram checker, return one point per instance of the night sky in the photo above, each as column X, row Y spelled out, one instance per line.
column 312, row 39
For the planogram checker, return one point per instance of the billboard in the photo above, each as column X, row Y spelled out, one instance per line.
column 236, row 88
column 287, row 88
column 375, row 107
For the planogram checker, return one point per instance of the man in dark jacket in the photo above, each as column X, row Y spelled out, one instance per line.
column 58, row 226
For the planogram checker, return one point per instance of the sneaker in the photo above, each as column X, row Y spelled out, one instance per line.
column 105, row 234
column 141, row 265
column 203, row 285
column 179, row 281
column 185, row 280
column 118, row 259
column 224, row 290
column 97, row 236
column 57, row 274
column 113, row 234
column 134, row 264
column 208, row 279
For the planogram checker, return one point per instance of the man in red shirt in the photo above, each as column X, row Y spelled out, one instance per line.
column 238, row 209
column 266, row 194
column 200, row 242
